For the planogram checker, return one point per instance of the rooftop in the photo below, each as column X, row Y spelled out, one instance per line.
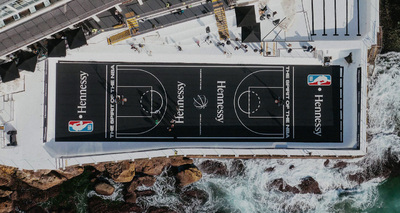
column 160, row 46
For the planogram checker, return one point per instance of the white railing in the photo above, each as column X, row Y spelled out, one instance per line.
column 295, row 53
column 6, row 108
column 363, row 113
column 2, row 139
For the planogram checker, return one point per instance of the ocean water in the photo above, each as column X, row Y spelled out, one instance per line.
column 251, row 192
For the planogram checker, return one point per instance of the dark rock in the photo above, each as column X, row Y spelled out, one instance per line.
column 36, row 209
column 145, row 193
column 326, row 163
column 340, row 165
column 179, row 161
column 162, row 209
column 213, row 167
column 282, row 186
column 188, row 176
column 237, row 168
column 195, row 194
column 6, row 205
column 14, row 196
column 122, row 172
column 269, row 169
column 132, row 186
column 130, row 198
column 146, row 181
column 291, row 167
column 154, row 167
column 97, row 205
column 64, row 209
column 104, row 189
column 29, row 197
column 42, row 179
column 309, row 185
column 390, row 166
column 129, row 208
column 99, row 166
column 5, row 182
column 357, row 177
column 141, row 181
column 5, row 193
column 71, row 171
column 7, row 174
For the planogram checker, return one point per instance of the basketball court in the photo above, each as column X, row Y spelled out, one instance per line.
column 99, row 101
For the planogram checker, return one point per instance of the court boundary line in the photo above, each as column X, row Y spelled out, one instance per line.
column 117, row 69
column 267, row 117
column 106, row 103
column 200, row 65
column 136, row 116
column 284, row 106
column 293, row 126
column 282, row 69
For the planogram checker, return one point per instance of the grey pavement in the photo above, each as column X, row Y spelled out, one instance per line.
column 49, row 23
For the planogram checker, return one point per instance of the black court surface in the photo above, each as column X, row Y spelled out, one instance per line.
column 98, row 101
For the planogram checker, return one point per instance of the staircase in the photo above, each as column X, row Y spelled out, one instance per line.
column 270, row 48
column 133, row 28
column 132, row 23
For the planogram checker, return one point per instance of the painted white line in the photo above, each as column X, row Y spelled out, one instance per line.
column 266, row 87
column 240, row 96
column 248, row 102
column 198, row 65
column 164, row 96
column 151, row 100
column 134, row 86
column 283, row 105
column 293, row 101
column 116, row 105
column 236, row 103
column 201, row 78
column 106, row 103
column 200, row 124
column 133, row 116
column 275, row 137
column 259, row 102
column 269, row 117
column 143, row 137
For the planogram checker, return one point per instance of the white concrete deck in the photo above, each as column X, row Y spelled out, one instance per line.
column 31, row 153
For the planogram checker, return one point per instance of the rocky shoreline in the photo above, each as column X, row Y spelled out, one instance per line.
column 96, row 187
column 55, row 190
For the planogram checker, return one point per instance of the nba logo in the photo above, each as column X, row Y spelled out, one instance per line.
column 80, row 126
column 319, row 80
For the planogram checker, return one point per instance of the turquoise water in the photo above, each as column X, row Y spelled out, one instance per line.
column 389, row 196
